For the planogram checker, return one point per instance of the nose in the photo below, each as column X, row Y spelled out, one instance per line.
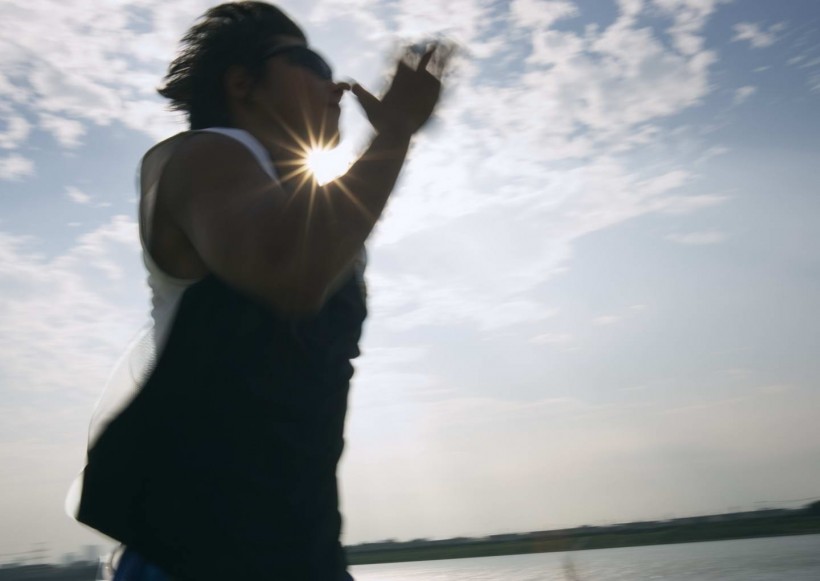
column 337, row 90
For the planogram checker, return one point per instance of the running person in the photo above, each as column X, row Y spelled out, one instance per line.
column 223, row 466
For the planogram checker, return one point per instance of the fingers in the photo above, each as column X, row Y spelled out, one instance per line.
column 436, row 58
column 367, row 100
column 425, row 59
column 441, row 59
column 361, row 92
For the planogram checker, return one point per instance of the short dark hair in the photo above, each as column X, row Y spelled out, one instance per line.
column 235, row 33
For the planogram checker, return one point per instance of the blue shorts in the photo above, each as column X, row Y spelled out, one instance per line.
column 132, row 567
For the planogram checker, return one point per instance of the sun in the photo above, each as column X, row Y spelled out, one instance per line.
column 327, row 164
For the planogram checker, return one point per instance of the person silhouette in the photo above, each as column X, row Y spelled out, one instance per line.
column 221, row 464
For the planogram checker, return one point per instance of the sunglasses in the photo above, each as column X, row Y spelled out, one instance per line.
column 304, row 57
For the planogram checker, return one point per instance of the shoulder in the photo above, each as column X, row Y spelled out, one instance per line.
column 208, row 161
column 202, row 151
column 207, row 149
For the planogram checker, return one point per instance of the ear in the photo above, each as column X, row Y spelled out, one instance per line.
column 237, row 83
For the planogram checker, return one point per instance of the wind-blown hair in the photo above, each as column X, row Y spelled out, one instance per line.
column 235, row 33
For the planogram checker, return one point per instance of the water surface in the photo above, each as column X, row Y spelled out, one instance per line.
column 770, row 559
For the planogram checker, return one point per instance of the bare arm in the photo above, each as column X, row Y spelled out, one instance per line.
column 346, row 210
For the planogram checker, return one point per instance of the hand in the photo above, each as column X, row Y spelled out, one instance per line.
column 410, row 100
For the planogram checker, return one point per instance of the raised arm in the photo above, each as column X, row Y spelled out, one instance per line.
column 286, row 243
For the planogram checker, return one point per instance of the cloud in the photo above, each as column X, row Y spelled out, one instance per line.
column 743, row 93
column 463, row 19
column 611, row 84
column 75, row 65
column 591, row 459
column 698, row 238
column 98, row 247
column 63, row 319
column 535, row 163
column 689, row 17
column 688, row 204
column 606, row 320
column 361, row 12
column 710, row 153
column 67, row 132
column 552, row 339
column 807, row 59
column 16, row 130
column 501, row 245
column 15, row 167
column 541, row 13
column 609, row 319
column 489, row 410
column 755, row 34
column 418, row 302
column 77, row 196
column 814, row 83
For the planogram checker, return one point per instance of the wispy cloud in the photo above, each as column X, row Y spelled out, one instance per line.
column 580, row 105
column 64, row 318
column 743, row 93
column 16, row 129
column 813, row 83
column 15, row 167
column 538, row 454
column 756, row 34
column 67, row 132
column 76, row 71
column 704, row 238
column 560, row 339
column 606, row 320
column 615, row 318
column 541, row 13
column 688, row 20
column 77, row 196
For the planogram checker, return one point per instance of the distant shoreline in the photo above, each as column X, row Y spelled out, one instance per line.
column 745, row 525
column 720, row 527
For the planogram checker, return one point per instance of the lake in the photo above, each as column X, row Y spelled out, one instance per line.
column 771, row 559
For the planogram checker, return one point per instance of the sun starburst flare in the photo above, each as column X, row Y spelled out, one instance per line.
column 314, row 165
column 327, row 164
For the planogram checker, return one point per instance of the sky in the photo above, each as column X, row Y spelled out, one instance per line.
column 594, row 295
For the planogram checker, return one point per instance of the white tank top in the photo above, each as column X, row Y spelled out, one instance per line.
column 167, row 290
column 137, row 362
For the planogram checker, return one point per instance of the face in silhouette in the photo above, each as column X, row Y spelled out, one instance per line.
column 295, row 101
